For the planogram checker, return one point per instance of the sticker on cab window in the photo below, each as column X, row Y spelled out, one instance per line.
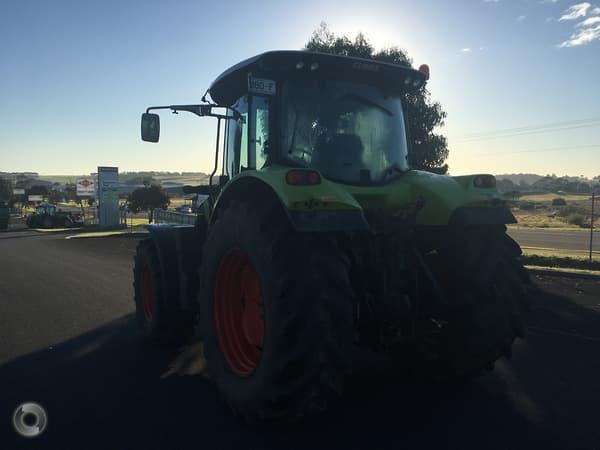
column 261, row 86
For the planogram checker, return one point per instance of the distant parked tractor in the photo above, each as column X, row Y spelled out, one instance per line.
column 47, row 215
column 318, row 237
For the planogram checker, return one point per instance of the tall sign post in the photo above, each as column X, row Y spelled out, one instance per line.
column 108, row 196
column 592, row 225
column 86, row 187
column 20, row 194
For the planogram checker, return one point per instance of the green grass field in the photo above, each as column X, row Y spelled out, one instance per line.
column 545, row 215
column 193, row 180
column 62, row 178
column 559, row 253
column 560, row 261
column 137, row 221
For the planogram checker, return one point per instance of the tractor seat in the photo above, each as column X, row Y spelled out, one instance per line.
column 341, row 157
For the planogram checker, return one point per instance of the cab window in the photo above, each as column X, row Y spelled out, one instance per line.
column 236, row 158
column 259, row 132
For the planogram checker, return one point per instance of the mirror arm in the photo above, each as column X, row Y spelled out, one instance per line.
column 200, row 110
column 216, row 152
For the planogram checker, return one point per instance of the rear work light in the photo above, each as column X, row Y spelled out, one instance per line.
column 484, row 181
column 302, row 177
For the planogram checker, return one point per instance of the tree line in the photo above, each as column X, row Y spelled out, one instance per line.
column 568, row 185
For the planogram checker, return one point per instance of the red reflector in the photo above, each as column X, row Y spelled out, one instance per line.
column 302, row 177
column 295, row 177
column 313, row 178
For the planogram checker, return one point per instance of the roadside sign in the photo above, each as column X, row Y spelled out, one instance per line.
column 86, row 187
column 18, row 191
column 35, row 198
column 108, row 196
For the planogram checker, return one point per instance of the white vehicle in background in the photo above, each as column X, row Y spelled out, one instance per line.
column 184, row 209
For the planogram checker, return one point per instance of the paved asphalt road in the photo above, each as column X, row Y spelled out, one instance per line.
column 68, row 341
column 563, row 240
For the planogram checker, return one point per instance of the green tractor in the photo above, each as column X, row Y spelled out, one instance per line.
column 317, row 239
column 47, row 215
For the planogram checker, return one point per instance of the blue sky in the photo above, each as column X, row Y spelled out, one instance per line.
column 76, row 76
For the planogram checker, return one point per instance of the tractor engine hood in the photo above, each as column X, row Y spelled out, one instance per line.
column 437, row 200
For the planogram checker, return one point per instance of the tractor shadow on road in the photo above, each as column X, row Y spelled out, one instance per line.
column 107, row 389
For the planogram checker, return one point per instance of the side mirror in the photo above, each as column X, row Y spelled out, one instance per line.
column 150, row 127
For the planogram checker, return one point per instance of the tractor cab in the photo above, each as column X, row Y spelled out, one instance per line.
column 339, row 116
column 45, row 209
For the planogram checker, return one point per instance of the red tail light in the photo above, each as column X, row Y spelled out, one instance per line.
column 299, row 177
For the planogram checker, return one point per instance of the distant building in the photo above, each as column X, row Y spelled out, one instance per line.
column 15, row 177
column 30, row 182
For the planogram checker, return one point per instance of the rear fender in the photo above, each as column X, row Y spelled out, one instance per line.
column 321, row 208
column 179, row 251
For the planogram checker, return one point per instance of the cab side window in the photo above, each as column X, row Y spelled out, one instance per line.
column 236, row 158
column 259, row 132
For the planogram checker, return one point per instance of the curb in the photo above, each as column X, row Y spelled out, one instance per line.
column 133, row 234
column 564, row 274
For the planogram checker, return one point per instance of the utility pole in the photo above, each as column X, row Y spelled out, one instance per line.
column 592, row 225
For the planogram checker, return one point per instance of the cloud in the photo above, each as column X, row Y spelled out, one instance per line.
column 521, row 18
column 589, row 22
column 576, row 11
column 587, row 30
column 465, row 50
column 582, row 37
column 491, row 1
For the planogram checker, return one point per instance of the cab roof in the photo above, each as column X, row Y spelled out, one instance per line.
column 285, row 64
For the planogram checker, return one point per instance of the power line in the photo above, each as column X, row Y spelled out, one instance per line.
column 545, row 125
column 549, row 130
column 552, row 149
column 520, row 131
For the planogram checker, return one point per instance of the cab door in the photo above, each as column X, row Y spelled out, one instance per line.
column 236, row 149
column 258, row 146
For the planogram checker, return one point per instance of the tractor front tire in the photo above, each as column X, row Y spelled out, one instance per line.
column 276, row 316
column 148, row 292
column 157, row 311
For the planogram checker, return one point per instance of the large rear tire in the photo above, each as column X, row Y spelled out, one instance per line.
column 276, row 316
column 487, row 291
